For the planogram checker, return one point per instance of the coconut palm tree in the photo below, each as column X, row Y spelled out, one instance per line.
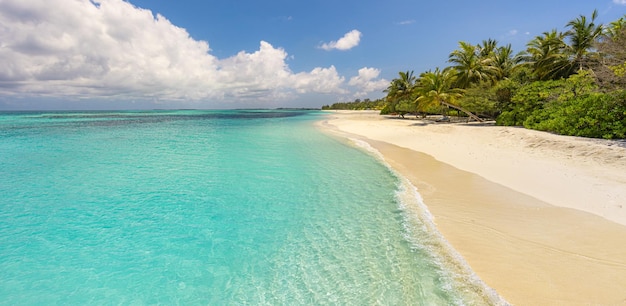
column 546, row 55
column 487, row 48
column 436, row 88
column 614, row 28
column 401, row 87
column 470, row 65
column 583, row 34
column 610, row 71
column 504, row 61
column 400, row 90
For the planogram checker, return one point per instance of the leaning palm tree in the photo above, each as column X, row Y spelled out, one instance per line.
column 583, row 34
column 470, row 65
column 436, row 88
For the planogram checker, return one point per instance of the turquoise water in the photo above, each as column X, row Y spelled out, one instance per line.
column 207, row 208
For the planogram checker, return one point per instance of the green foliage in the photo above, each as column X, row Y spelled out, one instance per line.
column 400, row 108
column 535, row 96
column 400, row 94
column 406, row 107
column 356, row 105
column 504, row 91
column 436, row 88
column 474, row 63
column 583, row 33
column 481, row 100
column 570, row 106
column 547, row 55
column 619, row 70
column 523, row 74
column 527, row 99
column 569, row 82
column 596, row 115
column 610, row 69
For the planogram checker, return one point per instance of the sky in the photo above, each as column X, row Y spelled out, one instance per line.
column 207, row 54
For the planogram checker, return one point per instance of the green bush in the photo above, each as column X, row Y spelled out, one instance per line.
column 480, row 100
column 528, row 99
column 401, row 108
column 534, row 102
column 594, row 115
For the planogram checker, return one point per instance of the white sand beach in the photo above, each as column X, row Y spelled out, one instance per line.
column 540, row 218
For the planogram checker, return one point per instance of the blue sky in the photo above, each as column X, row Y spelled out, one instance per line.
column 114, row 54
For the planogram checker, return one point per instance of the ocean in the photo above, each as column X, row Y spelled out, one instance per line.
column 208, row 207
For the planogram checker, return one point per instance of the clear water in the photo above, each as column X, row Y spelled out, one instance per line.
column 206, row 207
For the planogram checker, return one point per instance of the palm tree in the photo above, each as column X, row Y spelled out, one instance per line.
column 611, row 44
column 487, row 48
column 583, row 35
column 470, row 65
column 546, row 55
column 436, row 88
column 614, row 28
column 504, row 61
column 400, row 89
column 610, row 71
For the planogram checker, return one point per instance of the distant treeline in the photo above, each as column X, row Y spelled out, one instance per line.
column 357, row 104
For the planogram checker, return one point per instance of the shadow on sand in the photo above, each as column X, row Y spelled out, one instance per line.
column 430, row 120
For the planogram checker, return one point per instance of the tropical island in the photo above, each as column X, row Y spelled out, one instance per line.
column 568, row 83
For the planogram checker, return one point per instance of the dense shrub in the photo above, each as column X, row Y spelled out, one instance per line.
column 399, row 108
column 594, row 115
column 532, row 99
column 480, row 100
column 528, row 99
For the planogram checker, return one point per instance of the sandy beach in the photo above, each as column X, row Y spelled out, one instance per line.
column 540, row 218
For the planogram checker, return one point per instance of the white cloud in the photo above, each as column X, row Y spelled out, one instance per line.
column 111, row 49
column 621, row 2
column 321, row 80
column 367, row 81
column 347, row 42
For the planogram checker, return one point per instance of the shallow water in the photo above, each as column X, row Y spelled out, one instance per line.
column 208, row 207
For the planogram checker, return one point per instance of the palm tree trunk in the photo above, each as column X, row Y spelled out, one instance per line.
column 463, row 110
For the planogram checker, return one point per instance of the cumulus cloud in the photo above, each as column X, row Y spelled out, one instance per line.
column 621, row 2
column 347, row 42
column 112, row 49
column 321, row 80
column 367, row 81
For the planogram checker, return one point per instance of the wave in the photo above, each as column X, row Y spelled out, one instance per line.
column 422, row 234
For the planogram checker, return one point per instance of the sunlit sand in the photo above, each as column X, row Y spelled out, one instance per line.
column 540, row 218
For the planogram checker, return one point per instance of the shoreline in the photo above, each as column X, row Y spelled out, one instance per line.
column 563, row 243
